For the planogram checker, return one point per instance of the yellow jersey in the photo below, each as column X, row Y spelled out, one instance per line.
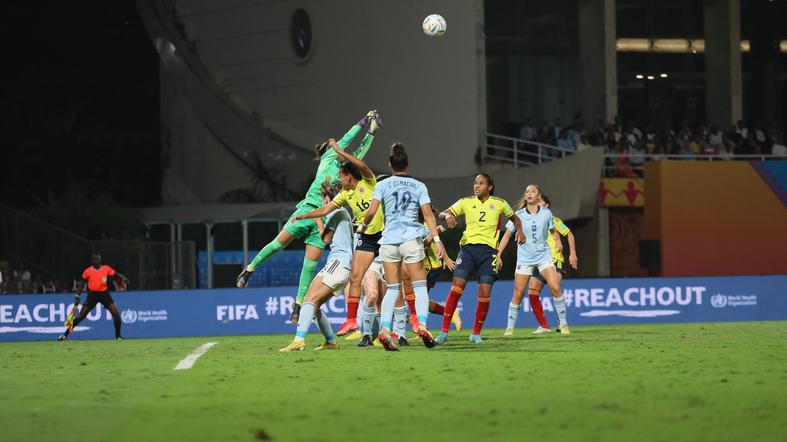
column 483, row 219
column 563, row 230
column 359, row 200
column 432, row 261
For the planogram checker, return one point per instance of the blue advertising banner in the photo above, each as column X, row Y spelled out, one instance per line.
column 265, row 310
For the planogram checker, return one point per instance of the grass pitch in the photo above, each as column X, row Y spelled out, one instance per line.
column 668, row 382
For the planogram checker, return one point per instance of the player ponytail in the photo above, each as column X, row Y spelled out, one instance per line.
column 546, row 200
column 398, row 159
column 522, row 203
column 320, row 149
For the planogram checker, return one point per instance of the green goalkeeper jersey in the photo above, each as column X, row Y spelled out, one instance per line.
column 329, row 167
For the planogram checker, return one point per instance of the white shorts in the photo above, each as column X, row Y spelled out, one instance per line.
column 335, row 275
column 527, row 270
column 408, row 252
column 377, row 267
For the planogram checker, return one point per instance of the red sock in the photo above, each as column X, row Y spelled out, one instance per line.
column 352, row 309
column 450, row 306
column 436, row 308
column 538, row 309
column 480, row 314
column 410, row 298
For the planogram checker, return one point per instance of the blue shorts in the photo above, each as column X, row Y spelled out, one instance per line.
column 431, row 278
column 369, row 243
column 479, row 259
column 558, row 267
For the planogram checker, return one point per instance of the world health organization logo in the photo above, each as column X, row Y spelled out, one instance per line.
column 718, row 300
column 129, row 316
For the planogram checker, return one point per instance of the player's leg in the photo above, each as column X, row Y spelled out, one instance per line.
column 554, row 280
column 113, row 310
column 486, row 268
column 435, row 307
column 409, row 297
column 314, row 247
column 520, row 285
column 371, row 292
column 400, row 321
column 458, row 283
column 282, row 240
column 413, row 258
column 317, row 294
column 87, row 307
column 534, row 297
column 361, row 261
column 392, row 292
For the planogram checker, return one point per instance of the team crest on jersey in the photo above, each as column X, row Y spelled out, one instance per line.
column 492, row 207
column 361, row 190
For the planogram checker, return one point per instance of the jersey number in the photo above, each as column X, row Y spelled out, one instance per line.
column 481, row 219
column 362, row 205
column 400, row 206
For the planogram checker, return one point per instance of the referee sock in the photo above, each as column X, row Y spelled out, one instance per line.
column 450, row 306
column 307, row 274
column 304, row 321
column 389, row 301
column 421, row 300
column 560, row 308
column 513, row 313
column 118, row 323
column 480, row 314
column 266, row 252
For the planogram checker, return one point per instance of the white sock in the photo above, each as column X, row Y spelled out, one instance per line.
column 513, row 313
column 389, row 301
column 421, row 300
column 368, row 319
column 325, row 327
column 304, row 321
column 560, row 308
column 400, row 320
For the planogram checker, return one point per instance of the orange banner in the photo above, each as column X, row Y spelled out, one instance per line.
column 622, row 192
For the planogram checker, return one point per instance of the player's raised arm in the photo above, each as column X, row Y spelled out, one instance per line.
column 316, row 213
column 366, row 172
column 366, row 142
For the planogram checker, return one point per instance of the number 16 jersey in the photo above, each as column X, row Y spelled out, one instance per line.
column 358, row 200
column 401, row 197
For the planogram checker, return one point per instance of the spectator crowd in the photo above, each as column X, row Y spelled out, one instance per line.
column 628, row 145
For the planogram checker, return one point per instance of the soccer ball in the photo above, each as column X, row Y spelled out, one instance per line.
column 434, row 25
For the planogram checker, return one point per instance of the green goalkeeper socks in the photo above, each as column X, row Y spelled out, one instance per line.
column 266, row 252
column 307, row 274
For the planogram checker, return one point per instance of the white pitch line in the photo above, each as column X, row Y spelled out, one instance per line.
column 191, row 359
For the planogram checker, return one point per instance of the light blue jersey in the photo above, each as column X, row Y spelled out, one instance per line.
column 536, row 226
column 340, row 222
column 401, row 197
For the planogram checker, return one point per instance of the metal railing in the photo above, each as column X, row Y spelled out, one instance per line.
column 519, row 152
column 59, row 255
column 612, row 168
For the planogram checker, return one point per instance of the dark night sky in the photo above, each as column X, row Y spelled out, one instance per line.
column 79, row 103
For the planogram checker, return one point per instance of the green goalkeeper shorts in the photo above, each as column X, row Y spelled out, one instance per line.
column 305, row 229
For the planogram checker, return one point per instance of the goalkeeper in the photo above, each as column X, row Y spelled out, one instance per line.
column 308, row 228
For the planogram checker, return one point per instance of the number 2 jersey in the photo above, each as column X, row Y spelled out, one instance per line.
column 535, row 250
column 358, row 200
column 483, row 219
column 401, row 197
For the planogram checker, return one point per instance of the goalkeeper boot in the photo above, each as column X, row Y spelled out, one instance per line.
column 296, row 313
column 349, row 326
column 457, row 320
column 328, row 346
column 243, row 278
column 441, row 338
column 475, row 339
column 294, row 346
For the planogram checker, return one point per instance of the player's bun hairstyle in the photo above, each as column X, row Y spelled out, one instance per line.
column 546, row 200
column 330, row 190
column 489, row 181
column 320, row 149
column 352, row 169
column 398, row 158
column 523, row 201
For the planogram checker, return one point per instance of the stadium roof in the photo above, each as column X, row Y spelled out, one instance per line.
column 215, row 213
